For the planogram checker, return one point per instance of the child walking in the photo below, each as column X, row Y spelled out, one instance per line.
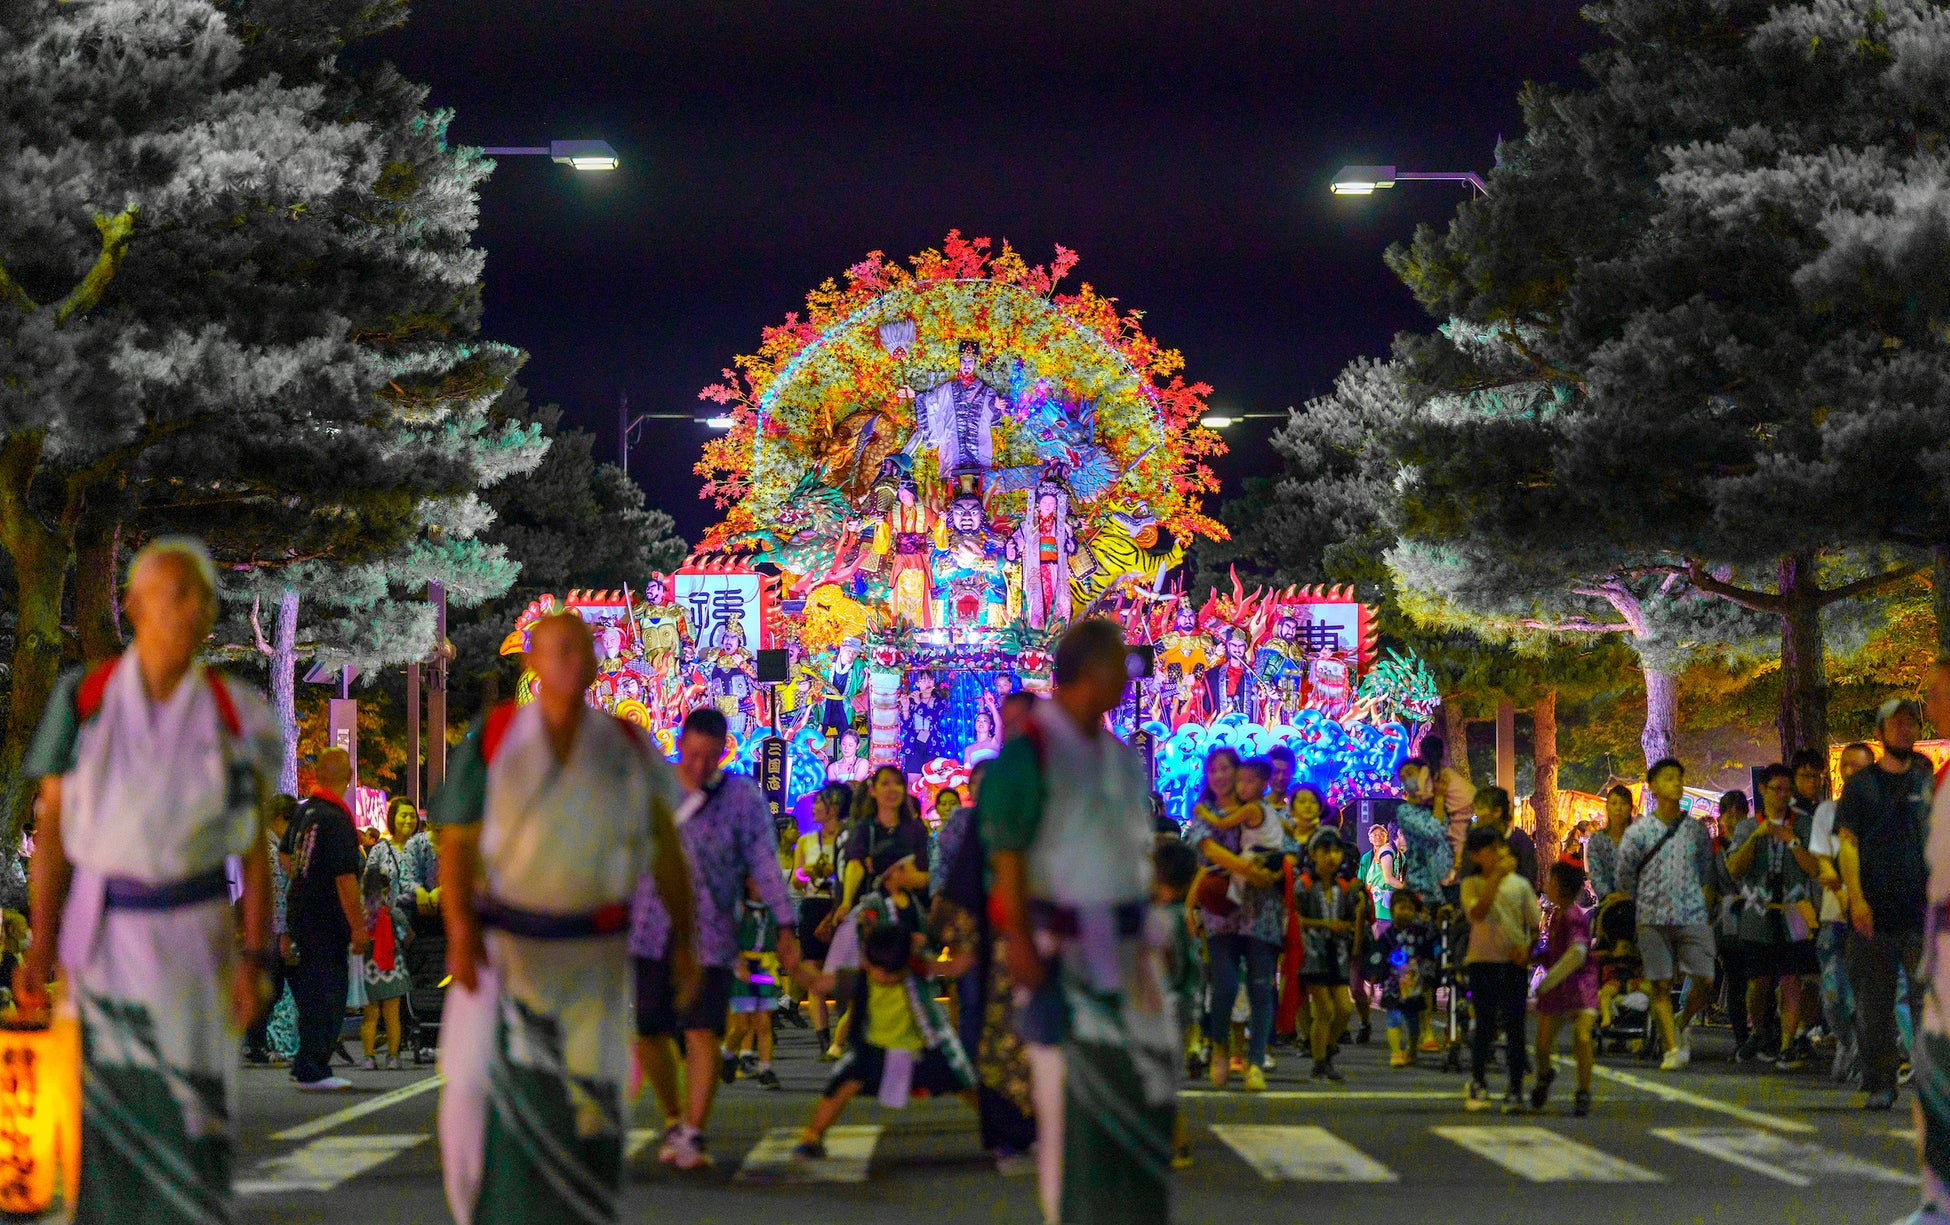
column 1403, row 960
column 901, row 1046
column 1503, row 922
column 1569, row 990
column 754, row 991
column 1329, row 911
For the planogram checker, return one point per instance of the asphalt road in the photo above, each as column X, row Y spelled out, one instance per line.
column 1709, row 1144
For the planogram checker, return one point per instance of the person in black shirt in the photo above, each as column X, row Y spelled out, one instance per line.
column 324, row 918
column 1493, row 809
column 1881, row 822
column 887, row 828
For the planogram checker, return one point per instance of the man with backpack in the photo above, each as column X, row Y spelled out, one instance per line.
column 1882, row 823
column 1664, row 866
column 152, row 772
column 1065, row 812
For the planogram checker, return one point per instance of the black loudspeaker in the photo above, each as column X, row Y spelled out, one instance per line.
column 771, row 667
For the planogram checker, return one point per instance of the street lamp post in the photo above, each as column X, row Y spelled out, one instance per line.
column 576, row 154
column 1366, row 180
column 1220, row 421
column 628, row 428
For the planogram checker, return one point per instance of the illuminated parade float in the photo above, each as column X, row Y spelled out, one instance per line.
column 930, row 474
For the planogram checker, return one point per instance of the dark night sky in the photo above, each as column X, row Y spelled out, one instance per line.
column 1183, row 149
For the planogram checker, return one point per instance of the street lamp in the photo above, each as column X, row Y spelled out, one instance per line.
column 1366, row 180
column 576, row 154
column 628, row 428
column 1219, row 421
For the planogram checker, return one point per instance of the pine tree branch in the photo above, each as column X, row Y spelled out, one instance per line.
column 1862, row 586
column 1576, row 625
column 10, row 291
column 1759, row 601
column 257, row 628
column 116, row 229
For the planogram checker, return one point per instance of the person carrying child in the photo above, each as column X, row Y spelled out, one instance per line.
column 1329, row 911
column 901, row 1045
column 1262, row 836
column 1403, row 959
column 1569, row 990
column 1503, row 921
column 754, row 992
column 1427, row 857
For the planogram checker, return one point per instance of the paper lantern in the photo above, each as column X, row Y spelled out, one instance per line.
column 40, row 1116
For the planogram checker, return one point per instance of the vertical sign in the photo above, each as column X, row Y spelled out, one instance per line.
column 342, row 724
column 771, row 779
column 1146, row 747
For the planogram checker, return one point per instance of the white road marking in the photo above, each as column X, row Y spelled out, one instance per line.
column 1541, row 1155
column 1699, row 1101
column 324, row 1123
column 1902, row 1133
column 639, row 1136
column 1326, row 1095
column 1301, row 1154
column 848, row 1152
column 1790, row 1161
column 323, row 1164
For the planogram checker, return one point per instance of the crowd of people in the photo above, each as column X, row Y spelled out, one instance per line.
column 1051, row 947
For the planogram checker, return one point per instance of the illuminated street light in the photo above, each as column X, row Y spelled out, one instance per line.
column 717, row 423
column 575, row 154
column 1219, row 421
column 1366, row 180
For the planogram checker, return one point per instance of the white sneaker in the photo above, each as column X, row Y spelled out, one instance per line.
column 684, row 1149
column 1676, row 1058
column 331, row 1084
column 392, row 1065
column 371, row 1064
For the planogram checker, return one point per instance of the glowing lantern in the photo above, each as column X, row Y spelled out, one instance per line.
column 40, row 1116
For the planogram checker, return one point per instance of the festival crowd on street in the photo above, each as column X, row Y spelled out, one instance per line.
column 624, row 935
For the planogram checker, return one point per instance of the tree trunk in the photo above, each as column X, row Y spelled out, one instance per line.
column 1455, row 735
column 97, row 546
column 1660, row 738
column 40, row 555
column 1803, row 718
column 1543, row 719
column 1940, row 588
column 284, row 686
column 1506, row 746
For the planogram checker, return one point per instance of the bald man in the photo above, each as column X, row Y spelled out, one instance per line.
column 324, row 919
column 551, row 815
column 152, row 773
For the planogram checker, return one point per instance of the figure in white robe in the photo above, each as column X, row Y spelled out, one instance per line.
column 956, row 418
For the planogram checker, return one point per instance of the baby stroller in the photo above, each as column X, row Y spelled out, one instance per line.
column 1614, row 946
column 1452, row 925
column 426, row 961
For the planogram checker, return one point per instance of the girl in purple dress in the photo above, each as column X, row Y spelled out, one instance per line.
column 1569, row 990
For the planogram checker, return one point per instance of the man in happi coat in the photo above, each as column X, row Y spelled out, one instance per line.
column 551, row 814
column 1065, row 812
column 152, row 771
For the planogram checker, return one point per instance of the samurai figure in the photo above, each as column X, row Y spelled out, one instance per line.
column 1043, row 546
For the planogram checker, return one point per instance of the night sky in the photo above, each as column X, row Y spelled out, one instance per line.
column 1183, row 150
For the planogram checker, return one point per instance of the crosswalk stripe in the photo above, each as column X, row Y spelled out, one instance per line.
column 323, row 1164
column 1790, row 1161
column 1301, row 1154
column 324, row 1123
column 1541, row 1155
column 638, row 1138
column 849, row 1150
column 1699, row 1101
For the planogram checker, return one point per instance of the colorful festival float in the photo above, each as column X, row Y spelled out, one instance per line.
column 930, row 474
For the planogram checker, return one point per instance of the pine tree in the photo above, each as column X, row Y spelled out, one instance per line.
column 570, row 523
column 126, row 130
column 1658, row 243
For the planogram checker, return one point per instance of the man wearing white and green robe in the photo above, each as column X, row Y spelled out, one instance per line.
column 150, row 795
column 549, row 849
column 1065, row 812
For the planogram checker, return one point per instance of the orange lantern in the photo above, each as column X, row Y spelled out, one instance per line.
column 40, row 1116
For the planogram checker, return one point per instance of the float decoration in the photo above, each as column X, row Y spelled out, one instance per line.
column 930, row 474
